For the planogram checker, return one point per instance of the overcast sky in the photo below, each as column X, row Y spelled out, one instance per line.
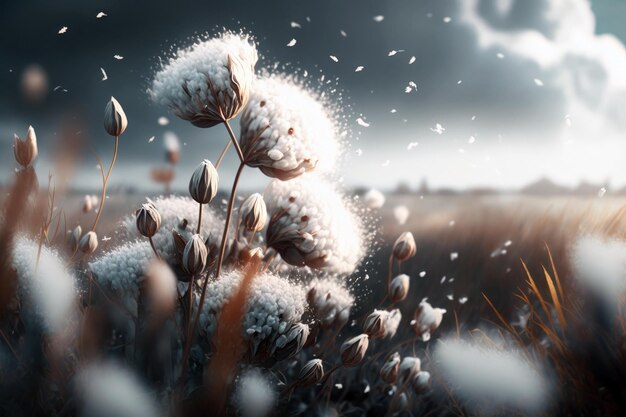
column 520, row 88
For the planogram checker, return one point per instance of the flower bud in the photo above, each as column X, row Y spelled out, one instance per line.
column 374, row 324
column 291, row 342
column 74, row 238
column 399, row 288
column 25, row 151
column 405, row 247
column 253, row 213
column 115, row 121
column 353, row 350
column 409, row 367
column 427, row 320
column 89, row 243
column 88, row 203
column 421, row 382
column 195, row 255
column 203, row 183
column 148, row 220
column 389, row 371
column 311, row 373
column 247, row 255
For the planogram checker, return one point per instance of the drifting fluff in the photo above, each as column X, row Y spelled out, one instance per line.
column 209, row 82
column 254, row 395
column 330, row 301
column 273, row 305
column 488, row 379
column 311, row 225
column 285, row 129
column 49, row 286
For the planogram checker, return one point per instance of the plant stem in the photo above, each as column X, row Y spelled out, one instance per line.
column 199, row 218
column 218, row 269
column 233, row 139
column 104, row 185
column 154, row 248
column 223, row 154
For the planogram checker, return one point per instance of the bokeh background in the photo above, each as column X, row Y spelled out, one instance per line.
column 521, row 89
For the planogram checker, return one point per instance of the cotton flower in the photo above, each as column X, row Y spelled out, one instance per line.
column 488, row 379
column 25, row 150
column 108, row 390
column 374, row 199
column 382, row 323
column 600, row 265
column 286, row 130
column 254, row 394
column 273, row 305
column 330, row 301
column 49, row 286
column 209, row 82
column 427, row 320
column 253, row 213
column 311, row 224
column 389, row 370
column 398, row 288
column 353, row 350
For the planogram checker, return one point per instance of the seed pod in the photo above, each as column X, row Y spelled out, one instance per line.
column 148, row 220
column 421, row 382
column 353, row 350
column 374, row 324
column 404, row 247
column 291, row 342
column 389, row 371
column 74, row 238
column 203, row 183
column 87, row 204
column 311, row 373
column 179, row 242
column 25, row 151
column 399, row 288
column 409, row 367
column 427, row 320
column 253, row 213
column 89, row 242
column 115, row 121
column 195, row 255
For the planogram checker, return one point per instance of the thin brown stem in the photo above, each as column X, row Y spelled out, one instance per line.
column 199, row 218
column 154, row 248
column 233, row 139
column 218, row 269
column 105, row 183
column 223, row 154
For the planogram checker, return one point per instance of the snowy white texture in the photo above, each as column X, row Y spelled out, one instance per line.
column 255, row 395
column 330, row 300
column 488, row 379
column 121, row 269
column 312, row 224
column 391, row 323
column 600, row 265
column 50, row 286
column 108, row 390
column 273, row 304
column 209, row 80
column 374, row 199
column 427, row 319
column 286, row 130
column 174, row 210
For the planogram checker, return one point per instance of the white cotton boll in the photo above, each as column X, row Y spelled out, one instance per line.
column 255, row 395
column 208, row 82
column 50, row 286
column 312, row 225
column 427, row 320
column 401, row 213
column 108, row 390
column 374, row 199
column 488, row 379
column 600, row 265
column 273, row 304
column 286, row 129
column 330, row 301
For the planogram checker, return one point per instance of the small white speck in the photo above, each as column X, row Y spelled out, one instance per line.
column 291, row 42
column 378, row 18
column 334, row 58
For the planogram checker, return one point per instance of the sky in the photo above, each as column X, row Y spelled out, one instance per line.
column 507, row 91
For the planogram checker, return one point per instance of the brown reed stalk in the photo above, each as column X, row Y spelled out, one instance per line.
column 105, row 182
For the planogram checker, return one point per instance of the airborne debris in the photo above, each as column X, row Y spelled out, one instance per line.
column 378, row 18
column 412, row 60
column 334, row 58
column 291, row 42
column 439, row 129
column 104, row 74
column 359, row 68
column 362, row 122
column 101, row 15
column 63, row 30
column 118, row 57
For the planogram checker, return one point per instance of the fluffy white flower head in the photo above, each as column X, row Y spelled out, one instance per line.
column 312, row 225
column 489, row 379
column 286, row 130
column 50, row 286
column 330, row 300
column 208, row 82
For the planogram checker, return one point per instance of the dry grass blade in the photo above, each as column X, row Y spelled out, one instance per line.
column 555, row 274
column 229, row 345
column 555, row 298
column 535, row 290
